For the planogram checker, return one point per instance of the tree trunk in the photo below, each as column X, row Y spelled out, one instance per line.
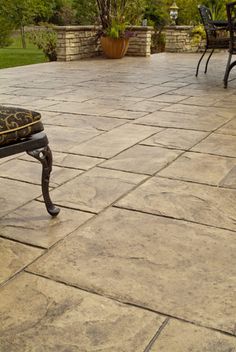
column 22, row 29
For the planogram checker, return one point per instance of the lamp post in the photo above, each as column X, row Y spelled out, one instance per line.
column 174, row 10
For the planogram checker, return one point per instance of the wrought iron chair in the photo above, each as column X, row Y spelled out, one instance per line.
column 21, row 131
column 231, row 14
column 214, row 38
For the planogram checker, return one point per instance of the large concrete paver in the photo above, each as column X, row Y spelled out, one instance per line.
column 77, row 94
column 175, row 138
column 79, row 108
column 199, row 90
column 31, row 224
column 181, row 337
column 115, row 141
column 203, row 168
column 14, row 257
column 73, row 161
column 67, row 160
column 169, row 98
column 150, row 92
column 176, row 119
column 16, row 99
column 126, row 114
column 196, row 110
column 31, row 172
column 142, row 159
column 84, row 121
column 229, row 102
column 115, row 103
column 173, row 267
column 35, row 104
column 96, row 189
column 11, row 188
column 184, row 200
column 39, row 92
column 175, row 84
column 64, row 139
column 148, row 106
column 206, row 100
column 39, row 315
column 218, row 144
column 5, row 160
column 229, row 128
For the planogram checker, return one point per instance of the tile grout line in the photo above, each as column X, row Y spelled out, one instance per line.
column 157, row 334
column 175, row 178
column 7, row 238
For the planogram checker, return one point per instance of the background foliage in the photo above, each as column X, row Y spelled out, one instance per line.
column 15, row 14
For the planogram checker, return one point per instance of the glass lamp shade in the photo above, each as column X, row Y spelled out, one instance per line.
column 174, row 9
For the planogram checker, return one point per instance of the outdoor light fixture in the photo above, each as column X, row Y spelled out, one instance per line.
column 174, row 9
column 144, row 22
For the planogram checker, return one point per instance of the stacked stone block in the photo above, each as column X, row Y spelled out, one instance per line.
column 179, row 39
column 76, row 42
column 140, row 43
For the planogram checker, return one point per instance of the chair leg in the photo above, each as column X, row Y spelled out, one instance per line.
column 206, row 67
column 44, row 155
column 227, row 71
column 199, row 62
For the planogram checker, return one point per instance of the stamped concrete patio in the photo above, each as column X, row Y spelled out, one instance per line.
column 142, row 256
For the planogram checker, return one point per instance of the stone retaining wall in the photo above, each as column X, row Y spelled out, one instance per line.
column 179, row 40
column 76, row 42
column 79, row 42
column 140, row 44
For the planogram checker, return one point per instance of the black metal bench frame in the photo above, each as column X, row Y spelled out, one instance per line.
column 36, row 145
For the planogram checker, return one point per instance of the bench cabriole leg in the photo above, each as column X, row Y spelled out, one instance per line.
column 44, row 155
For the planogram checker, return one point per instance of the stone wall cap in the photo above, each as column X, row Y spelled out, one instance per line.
column 76, row 28
column 140, row 28
column 179, row 28
column 92, row 28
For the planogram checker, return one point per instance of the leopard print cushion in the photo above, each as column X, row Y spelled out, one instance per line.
column 16, row 124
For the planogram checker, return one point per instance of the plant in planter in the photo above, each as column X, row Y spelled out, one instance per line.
column 116, row 16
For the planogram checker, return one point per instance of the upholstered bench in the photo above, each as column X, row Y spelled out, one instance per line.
column 22, row 131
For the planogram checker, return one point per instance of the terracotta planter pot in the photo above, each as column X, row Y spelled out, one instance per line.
column 114, row 48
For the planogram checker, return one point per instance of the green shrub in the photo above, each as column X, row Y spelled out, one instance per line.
column 46, row 40
column 199, row 30
column 198, row 34
column 5, row 33
column 86, row 11
column 158, row 42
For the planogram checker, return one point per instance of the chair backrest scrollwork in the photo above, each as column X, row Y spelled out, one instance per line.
column 207, row 21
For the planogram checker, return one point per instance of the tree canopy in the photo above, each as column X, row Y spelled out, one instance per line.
column 18, row 14
column 22, row 13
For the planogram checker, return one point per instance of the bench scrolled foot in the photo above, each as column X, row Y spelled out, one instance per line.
column 44, row 155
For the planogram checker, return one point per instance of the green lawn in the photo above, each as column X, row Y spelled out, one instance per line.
column 14, row 55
